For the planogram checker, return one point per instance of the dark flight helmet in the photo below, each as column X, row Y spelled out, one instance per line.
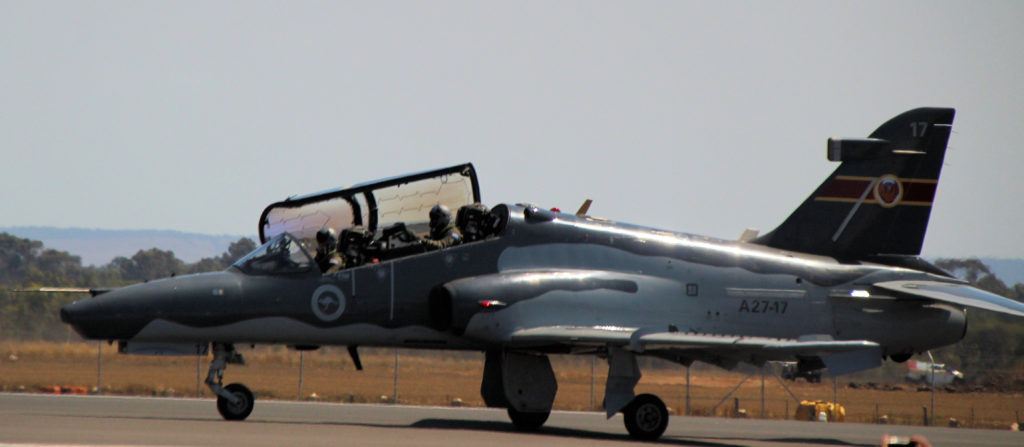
column 325, row 236
column 440, row 217
column 473, row 221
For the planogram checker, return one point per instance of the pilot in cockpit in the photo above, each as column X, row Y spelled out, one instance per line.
column 327, row 257
column 442, row 229
column 353, row 245
column 474, row 222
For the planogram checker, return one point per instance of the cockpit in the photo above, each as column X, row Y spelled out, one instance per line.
column 383, row 219
column 280, row 255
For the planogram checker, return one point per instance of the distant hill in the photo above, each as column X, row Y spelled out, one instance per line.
column 99, row 247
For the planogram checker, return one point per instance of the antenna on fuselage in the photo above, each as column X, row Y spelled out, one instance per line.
column 582, row 212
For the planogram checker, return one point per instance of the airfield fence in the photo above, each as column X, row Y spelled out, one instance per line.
column 452, row 378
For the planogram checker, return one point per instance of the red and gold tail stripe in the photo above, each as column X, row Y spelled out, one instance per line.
column 850, row 189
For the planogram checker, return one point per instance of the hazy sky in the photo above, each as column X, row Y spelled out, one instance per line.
column 703, row 117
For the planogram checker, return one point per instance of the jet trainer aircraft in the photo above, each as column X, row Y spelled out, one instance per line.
column 838, row 284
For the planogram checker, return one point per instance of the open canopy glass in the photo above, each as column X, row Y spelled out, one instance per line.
column 374, row 205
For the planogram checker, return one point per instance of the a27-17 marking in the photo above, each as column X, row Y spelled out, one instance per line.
column 764, row 306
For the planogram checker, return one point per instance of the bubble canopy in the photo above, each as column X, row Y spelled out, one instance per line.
column 374, row 205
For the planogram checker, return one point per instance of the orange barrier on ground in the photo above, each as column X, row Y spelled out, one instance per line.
column 809, row 411
column 66, row 390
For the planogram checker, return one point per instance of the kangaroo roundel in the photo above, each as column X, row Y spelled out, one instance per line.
column 328, row 302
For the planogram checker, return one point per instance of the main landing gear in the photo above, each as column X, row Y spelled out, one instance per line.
column 646, row 417
column 525, row 385
column 235, row 401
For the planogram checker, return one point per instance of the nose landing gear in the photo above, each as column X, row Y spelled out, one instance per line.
column 235, row 401
column 242, row 405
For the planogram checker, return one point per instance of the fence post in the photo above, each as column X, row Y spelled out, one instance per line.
column 99, row 367
column 199, row 364
column 687, row 390
column 395, row 398
column 762, row 391
column 593, row 360
column 301, row 358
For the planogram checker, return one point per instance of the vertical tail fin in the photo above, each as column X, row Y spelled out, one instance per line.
column 877, row 202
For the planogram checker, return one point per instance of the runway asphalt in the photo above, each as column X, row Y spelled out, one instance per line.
column 36, row 419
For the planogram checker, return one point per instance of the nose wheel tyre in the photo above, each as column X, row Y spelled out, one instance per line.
column 527, row 421
column 239, row 410
column 646, row 417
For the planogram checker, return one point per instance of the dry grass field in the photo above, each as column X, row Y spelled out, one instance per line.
column 441, row 377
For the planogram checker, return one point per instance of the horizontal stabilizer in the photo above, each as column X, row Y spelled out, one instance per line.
column 959, row 294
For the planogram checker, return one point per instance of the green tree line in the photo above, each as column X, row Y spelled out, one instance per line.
column 992, row 352
column 27, row 264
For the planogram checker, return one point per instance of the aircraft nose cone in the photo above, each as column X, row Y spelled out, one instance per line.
column 76, row 311
column 100, row 319
column 82, row 315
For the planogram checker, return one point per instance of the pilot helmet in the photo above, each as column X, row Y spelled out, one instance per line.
column 440, row 217
column 325, row 236
column 470, row 220
column 356, row 235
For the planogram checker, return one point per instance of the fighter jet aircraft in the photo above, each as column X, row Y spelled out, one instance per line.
column 839, row 284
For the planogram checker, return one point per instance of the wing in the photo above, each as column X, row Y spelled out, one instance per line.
column 840, row 356
column 959, row 294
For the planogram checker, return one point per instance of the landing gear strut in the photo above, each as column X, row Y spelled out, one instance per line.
column 235, row 401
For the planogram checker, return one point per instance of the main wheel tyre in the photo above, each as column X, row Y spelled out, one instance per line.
column 646, row 417
column 527, row 421
column 236, row 411
column 900, row 358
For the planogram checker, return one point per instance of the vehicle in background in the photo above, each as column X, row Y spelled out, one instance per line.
column 792, row 371
column 922, row 372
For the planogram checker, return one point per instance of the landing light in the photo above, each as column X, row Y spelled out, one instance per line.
column 859, row 294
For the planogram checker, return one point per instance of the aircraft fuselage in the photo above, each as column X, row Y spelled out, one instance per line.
column 543, row 269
